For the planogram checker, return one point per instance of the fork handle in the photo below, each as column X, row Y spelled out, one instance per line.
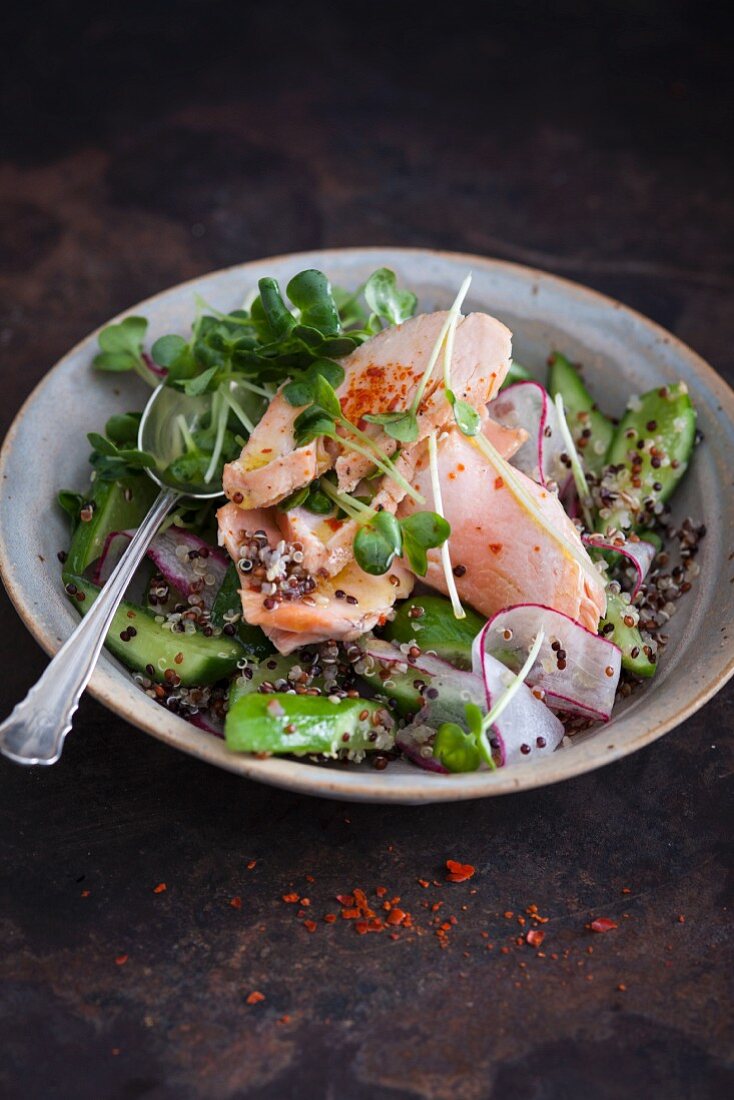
column 35, row 730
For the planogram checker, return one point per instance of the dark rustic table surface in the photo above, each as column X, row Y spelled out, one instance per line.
column 146, row 147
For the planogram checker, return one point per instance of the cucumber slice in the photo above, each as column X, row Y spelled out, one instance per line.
column 400, row 687
column 628, row 638
column 581, row 412
column 434, row 627
column 272, row 669
column 664, row 422
column 194, row 658
column 118, row 505
column 305, row 724
column 228, row 599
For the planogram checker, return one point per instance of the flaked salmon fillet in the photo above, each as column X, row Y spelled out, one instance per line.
column 501, row 554
column 383, row 374
column 380, row 376
column 270, row 466
column 327, row 543
column 342, row 607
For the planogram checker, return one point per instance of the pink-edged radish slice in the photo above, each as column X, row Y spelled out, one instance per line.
column 188, row 563
column 576, row 670
column 416, row 744
column 527, row 405
column 525, row 731
column 639, row 553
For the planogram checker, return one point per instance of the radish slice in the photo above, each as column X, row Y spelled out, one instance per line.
column 526, row 729
column 201, row 575
column 585, row 683
column 640, row 553
column 527, row 405
column 112, row 551
column 169, row 551
column 416, row 743
column 204, row 721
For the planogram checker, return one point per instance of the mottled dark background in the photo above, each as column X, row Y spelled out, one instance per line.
column 146, row 144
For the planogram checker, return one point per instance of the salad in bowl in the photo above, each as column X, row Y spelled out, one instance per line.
column 423, row 552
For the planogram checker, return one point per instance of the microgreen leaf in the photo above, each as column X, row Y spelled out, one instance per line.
column 310, row 292
column 175, row 355
column 385, row 299
column 456, row 749
column 325, row 396
column 467, row 418
column 126, row 337
column 205, row 382
column 72, row 504
column 317, row 501
column 377, row 543
column 279, row 318
column 401, row 426
column 295, row 500
column 421, row 532
column 312, row 423
column 122, row 428
column 303, row 389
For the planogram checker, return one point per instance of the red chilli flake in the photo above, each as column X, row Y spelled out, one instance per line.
column 235, row 903
column 535, row 937
column 290, row 899
column 458, row 872
column 255, row 997
column 603, row 924
column 121, row 960
column 310, row 925
column 160, row 888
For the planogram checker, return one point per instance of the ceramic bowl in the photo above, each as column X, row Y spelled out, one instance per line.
column 623, row 353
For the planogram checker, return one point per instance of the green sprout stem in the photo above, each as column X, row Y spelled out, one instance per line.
column 371, row 451
column 238, row 410
column 354, row 508
column 220, row 413
column 577, row 469
column 507, row 696
column 459, row 612
column 452, row 316
column 188, row 439
column 453, row 319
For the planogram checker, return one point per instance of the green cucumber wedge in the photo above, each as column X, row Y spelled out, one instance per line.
column 305, row 724
column 194, row 658
column 635, row 652
column 430, row 621
column 117, row 506
column 581, row 412
column 649, row 455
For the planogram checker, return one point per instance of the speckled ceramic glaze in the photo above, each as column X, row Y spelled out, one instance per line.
column 623, row 354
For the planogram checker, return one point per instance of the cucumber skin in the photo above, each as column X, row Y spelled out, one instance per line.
column 437, row 629
column 563, row 378
column 626, row 637
column 205, row 660
column 678, row 443
column 407, row 699
column 113, row 512
column 257, row 723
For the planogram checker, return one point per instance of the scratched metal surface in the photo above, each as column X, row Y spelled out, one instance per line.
column 140, row 151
